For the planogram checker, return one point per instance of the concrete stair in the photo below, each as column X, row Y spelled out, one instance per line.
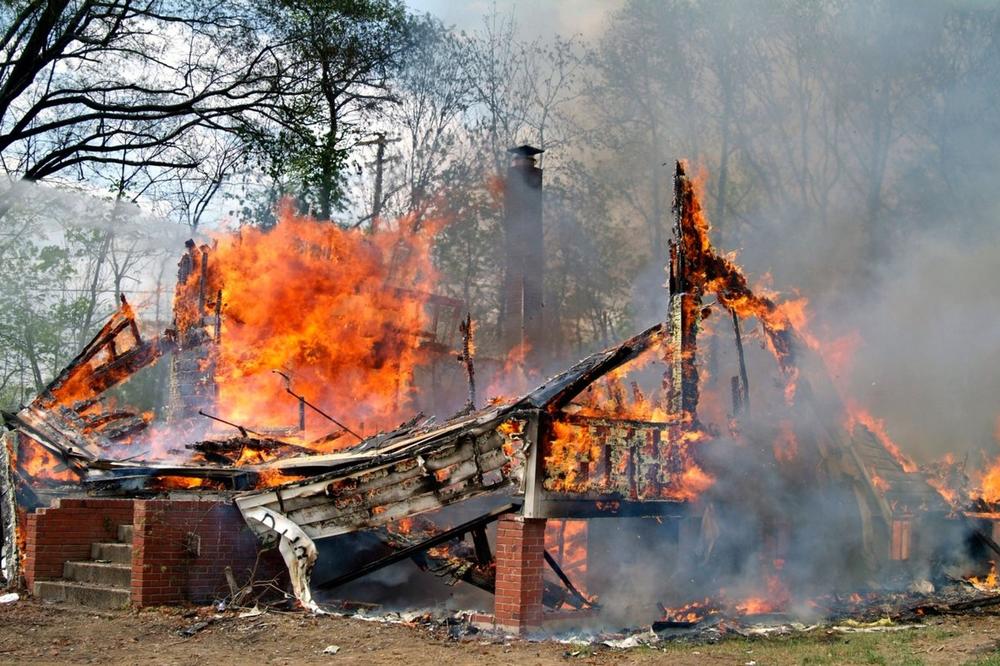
column 99, row 573
column 104, row 581
column 117, row 553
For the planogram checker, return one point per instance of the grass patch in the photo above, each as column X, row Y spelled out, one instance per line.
column 990, row 659
column 817, row 648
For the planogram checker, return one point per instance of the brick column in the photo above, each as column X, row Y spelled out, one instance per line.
column 520, row 562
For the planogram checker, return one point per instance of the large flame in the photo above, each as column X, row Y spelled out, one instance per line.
column 40, row 464
column 339, row 311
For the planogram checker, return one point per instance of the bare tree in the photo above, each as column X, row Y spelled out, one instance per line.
column 434, row 93
column 90, row 83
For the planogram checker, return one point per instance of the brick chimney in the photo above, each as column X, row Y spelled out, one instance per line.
column 525, row 253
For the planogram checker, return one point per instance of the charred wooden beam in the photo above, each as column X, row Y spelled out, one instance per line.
column 127, row 364
column 482, row 545
column 245, row 432
column 458, row 568
column 979, row 534
column 87, row 376
column 117, row 323
column 115, row 425
column 687, row 285
column 64, row 442
column 303, row 401
column 168, row 469
column 229, row 451
column 744, row 382
column 737, row 395
column 375, row 442
column 139, row 475
column 578, row 598
column 467, row 328
column 611, row 422
column 604, row 506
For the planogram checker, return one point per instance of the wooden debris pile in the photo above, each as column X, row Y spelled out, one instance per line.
column 67, row 420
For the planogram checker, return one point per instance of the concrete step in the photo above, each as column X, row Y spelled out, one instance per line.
column 116, row 553
column 124, row 534
column 99, row 573
column 83, row 594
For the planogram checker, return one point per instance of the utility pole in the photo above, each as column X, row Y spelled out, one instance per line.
column 379, row 165
column 381, row 142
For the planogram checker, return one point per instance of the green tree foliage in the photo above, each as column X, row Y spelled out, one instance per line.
column 64, row 260
column 340, row 56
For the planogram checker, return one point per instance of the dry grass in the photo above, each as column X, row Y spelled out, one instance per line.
column 37, row 633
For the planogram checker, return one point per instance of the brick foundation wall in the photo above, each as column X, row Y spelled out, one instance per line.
column 182, row 547
column 520, row 562
column 66, row 530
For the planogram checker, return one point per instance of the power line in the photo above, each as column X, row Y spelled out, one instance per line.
column 95, row 291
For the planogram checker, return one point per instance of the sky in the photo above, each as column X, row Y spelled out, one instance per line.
column 537, row 18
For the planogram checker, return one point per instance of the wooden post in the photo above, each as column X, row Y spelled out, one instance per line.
column 534, row 471
column 11, row 552
column 744, row 381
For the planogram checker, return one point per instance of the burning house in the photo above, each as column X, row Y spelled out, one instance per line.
column 738, row 507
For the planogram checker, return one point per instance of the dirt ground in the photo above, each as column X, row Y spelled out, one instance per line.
column 32, row 632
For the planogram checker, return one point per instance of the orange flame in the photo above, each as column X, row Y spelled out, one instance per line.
column 858, row 415
column 786, row 445
column 182, row 483
column 567, row 541
column 990, row 486
column 339, row 311
column 880, row 484
column 40, row 464
column 513, row 377
column 776, row 599
column 987, row 583
column 691, row 612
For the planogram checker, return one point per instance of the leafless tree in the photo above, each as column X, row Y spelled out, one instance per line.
column 86, row 84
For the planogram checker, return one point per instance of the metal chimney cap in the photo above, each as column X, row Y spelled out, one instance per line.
column 525, row 151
